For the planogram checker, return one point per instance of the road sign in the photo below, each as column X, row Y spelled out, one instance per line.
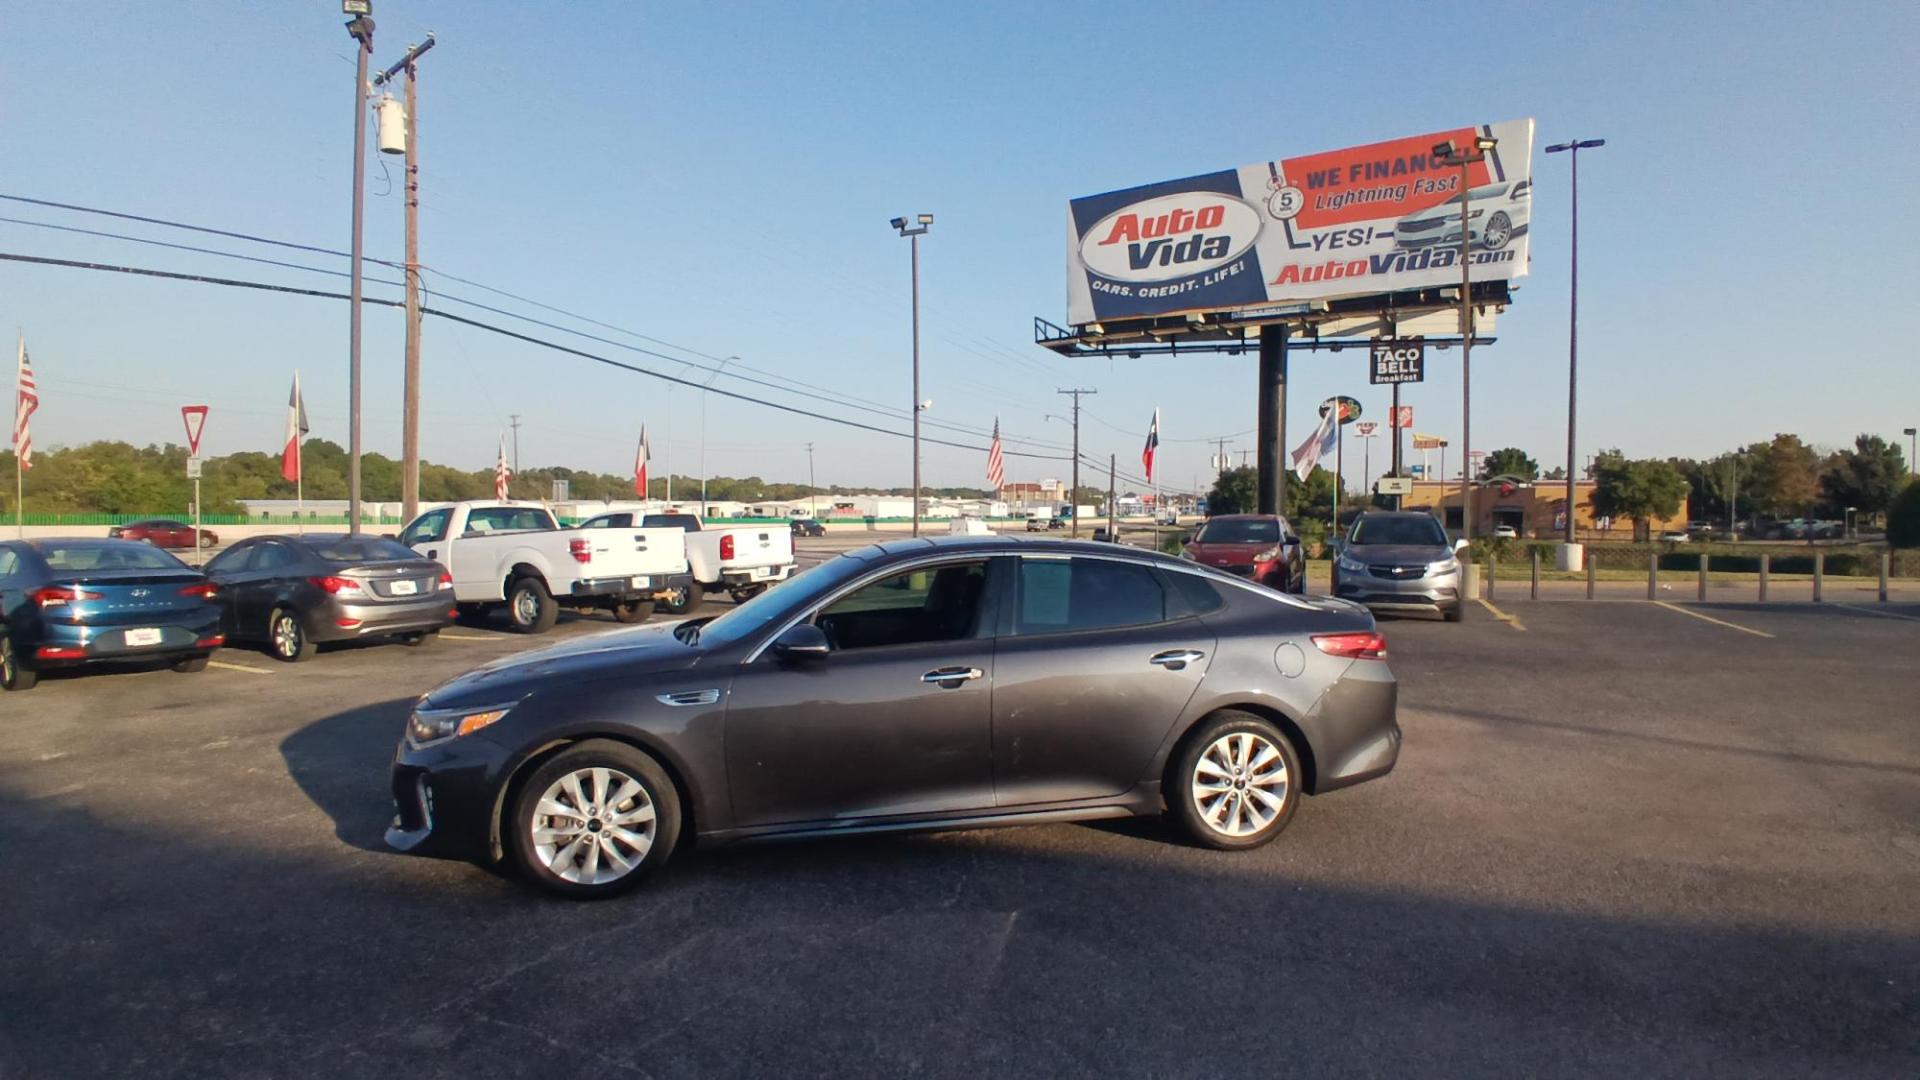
column 196, row 418
column 1418, row 470
column 1396, row 361
column 1394, row 485
column 193, row 468
column 1402, row 417
column 1349, row 408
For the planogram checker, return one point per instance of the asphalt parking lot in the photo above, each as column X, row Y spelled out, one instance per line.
column 1623, row 838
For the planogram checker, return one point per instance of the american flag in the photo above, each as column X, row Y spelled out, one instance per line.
column 1153, row 443
column 24, row 405
column 996, row 464
column 501, row 474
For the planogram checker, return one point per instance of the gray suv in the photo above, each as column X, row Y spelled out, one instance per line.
column 1399, row 561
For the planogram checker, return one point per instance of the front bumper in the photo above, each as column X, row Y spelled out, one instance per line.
column 431, row 612
column 1433, row 592
column 445, row 797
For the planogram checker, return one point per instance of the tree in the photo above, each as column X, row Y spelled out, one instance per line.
column 1784, row 476
column 1640, row 490
column 1866, row 477
column 1236, row 491
column 1509, row 461
column 1558, row 472
column 1903, row 517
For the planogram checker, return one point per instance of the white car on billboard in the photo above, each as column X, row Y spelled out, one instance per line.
column 1496, row 213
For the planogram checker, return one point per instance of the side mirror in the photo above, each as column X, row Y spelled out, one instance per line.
column 802, row 641
column 1460, row 546
column 1290, row 540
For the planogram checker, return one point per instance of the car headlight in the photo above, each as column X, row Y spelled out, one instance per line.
column 1347, row 562
column 1268, row 555
column 1444, row 566
column 1475, row 214
column 428, row 726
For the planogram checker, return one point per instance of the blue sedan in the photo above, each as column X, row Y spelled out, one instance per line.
column 65, row 603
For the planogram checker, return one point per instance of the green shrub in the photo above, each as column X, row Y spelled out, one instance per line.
column 1903, row 517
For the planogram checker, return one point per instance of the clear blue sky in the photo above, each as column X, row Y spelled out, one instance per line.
column 720, row 176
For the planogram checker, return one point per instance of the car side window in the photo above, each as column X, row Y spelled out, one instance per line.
column 271, row 557
column 504, row 518
column 1058, row 595
column 934, row 603
column 9, row 564
column 233, row 560
column 431, row 528
column 1190, row 594
column 608, row 521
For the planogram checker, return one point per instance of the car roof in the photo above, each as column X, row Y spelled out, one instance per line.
column 1005, row 544
column 1397, row 514
column 1246, row 517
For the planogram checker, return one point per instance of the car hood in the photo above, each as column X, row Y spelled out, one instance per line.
column 640, row 650
column 1244, row 552
column 1398, row 553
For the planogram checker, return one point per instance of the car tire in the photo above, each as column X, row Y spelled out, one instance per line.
column 208, row 540
column 421, row 639
column 746, row 593
column 690, row 601
column 191, row 665
column 1251, row 806
column 538, row 842
column 1499, row 225
column 1454, row 613
column 632, row 611
column 287, row 639
column 530, row 607
column 15, row 673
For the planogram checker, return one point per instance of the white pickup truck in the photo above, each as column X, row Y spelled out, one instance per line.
column 742, row 560
column 516, row 556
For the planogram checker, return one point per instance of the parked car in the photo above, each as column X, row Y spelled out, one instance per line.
column 294, row 593
column 1399, row 561
column 807, row 527
column 1041, row 520
column 65, row 603
column 741, row 561
column 1168, row 517
column 1505, row 532
column 1260, row 547
column 516, row 556
column 942, row 683
column 164, row 533
column 1496, row 213
column 1674, row 536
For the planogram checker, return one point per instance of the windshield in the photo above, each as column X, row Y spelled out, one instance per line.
column 82, row 555
column 1419, row 531
column 1239, row 531
column 351, row 549
column 802, row 589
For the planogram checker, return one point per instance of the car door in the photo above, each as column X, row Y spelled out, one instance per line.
column 872, row 730
column 428, row 535
column 273, row 564
column 1094, row 664
column 229, row 570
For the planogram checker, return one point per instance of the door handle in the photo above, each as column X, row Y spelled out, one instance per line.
column 1176, row 659
column 951, row 676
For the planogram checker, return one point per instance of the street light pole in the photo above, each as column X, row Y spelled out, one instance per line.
column 1448, row 155
column 913, row 232
column 1573, row 315
column 1913, row 450
column 360, row 28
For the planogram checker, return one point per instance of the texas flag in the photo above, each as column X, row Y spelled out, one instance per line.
column 296, row 430
column 1153, row 444
column 641, row 458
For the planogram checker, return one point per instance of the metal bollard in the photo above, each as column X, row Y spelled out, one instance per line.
column 1589, row 561
column 1703, row 576
column 1886, row 567
column 1766, row 564
column 1819, row 572
column 1535, row 595
column 1653, row 576
column 1492, row 573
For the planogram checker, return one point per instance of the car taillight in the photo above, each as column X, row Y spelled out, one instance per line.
column 446, row 581
column 1365, row 645
column 205, row 590
column 726, row 547
column 334, row 586
column 582, row 551
column 114, row 533
column 61, row 595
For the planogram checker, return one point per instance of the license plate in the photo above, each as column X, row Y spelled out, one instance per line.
column 143, row 636
column 643, row 583
column 404, row 588
column 763, row 571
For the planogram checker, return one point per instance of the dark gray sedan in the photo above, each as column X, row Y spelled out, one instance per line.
column 292, row 593
column 916, row 684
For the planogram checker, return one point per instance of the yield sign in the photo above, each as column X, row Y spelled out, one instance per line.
column 196, row 418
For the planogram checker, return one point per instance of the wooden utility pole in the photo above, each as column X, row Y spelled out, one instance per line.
column 1073, row 506
column 410, row 413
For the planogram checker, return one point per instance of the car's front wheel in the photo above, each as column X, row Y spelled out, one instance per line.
column 1499, row 231
column 594, row 821
column 1236, row 784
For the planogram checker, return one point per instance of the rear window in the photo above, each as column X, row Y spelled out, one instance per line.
column 358, row 549
column 81, row 557
column 1239, row 531
column 507, row 519
column 671, row 521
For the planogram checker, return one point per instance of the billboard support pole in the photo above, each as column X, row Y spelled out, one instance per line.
column 1394, row 426
column 1272, row 434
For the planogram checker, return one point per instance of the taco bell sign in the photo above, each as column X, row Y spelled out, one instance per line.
column 1399, row 361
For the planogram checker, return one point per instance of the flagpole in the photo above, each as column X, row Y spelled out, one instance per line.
column 19, row 474
column 1339, row 461
column 299, row 463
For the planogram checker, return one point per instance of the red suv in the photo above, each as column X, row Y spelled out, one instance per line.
column 163, row 533
column 1260, row 547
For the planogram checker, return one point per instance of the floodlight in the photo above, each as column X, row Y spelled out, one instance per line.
column 1485, row 142
column 926, row 219
column 898, row 223
column 1588, row 144
column 1443, row 149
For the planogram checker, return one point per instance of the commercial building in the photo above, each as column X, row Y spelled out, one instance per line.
column 1536, row 510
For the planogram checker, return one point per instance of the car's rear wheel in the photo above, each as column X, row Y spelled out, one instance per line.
column 680, row 602
column 287, row 638
column 530, row 607
column 1499, row 230
column 191, row 664
column 15, row 674
column 632, row 611
column 746, row 592
column 420, row 639
column 594, row 821
column 1236, row 783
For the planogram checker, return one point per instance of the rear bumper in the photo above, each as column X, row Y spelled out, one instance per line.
column 430, row 612
column 62, row 644
column 644, row 586
column 757, row 575
column 1358, row 727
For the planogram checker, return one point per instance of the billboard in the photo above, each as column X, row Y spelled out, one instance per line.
column 1370, row 219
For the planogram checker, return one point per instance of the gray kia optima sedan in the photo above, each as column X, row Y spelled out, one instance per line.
column 1399, row 561
column 916, row 684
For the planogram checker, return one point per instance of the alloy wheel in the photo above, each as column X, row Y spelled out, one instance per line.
column 286, row 635
column 593, row 826
column 1499, row 231
column 1240, row 784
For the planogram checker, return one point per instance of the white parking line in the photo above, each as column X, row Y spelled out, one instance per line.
column 444, row 636
column 1711, row 619
column 224, row 666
